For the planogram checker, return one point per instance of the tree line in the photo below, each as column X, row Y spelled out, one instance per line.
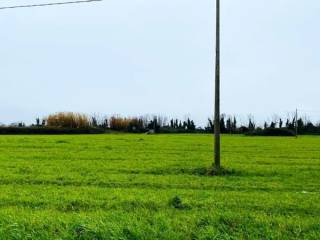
column 161, row 124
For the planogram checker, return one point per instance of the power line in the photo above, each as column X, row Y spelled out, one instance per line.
column 48, row 4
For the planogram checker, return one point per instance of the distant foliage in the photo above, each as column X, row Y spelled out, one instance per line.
column 272, row 132
column 49, row 130
column 126, row 124
column 178, row 126
column 68, row 120
column 159, row 124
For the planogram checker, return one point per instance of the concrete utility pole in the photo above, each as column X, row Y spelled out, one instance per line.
column 217, row 164
column 296, row 117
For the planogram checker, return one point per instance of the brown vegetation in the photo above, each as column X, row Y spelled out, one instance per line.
column 122, row 124
column 68, row 120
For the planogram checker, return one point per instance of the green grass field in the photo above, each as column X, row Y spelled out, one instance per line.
column 152, row 187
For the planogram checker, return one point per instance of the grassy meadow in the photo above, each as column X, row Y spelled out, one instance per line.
column 125, row 186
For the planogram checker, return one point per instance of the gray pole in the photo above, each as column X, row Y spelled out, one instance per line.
column 296, row 122
column 217, row 93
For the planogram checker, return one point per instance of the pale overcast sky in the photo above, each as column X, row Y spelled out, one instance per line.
column 133, row 57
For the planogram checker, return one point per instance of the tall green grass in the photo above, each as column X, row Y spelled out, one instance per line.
column 125, row 186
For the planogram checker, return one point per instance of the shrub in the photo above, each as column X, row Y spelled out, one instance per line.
column 68, row 120
column 126, row 124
